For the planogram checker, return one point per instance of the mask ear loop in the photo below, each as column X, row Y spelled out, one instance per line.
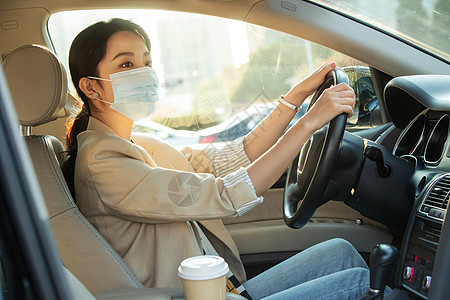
column 98, row 78
column 95, row 95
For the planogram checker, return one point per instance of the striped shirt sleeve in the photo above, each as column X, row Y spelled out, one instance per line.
column 237, row 177
column 227, row 161
column 230, row 158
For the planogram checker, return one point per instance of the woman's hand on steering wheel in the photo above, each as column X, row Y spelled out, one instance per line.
column 309, row 84
column 334, row 101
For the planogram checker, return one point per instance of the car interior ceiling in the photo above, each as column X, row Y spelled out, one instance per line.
column 45, row 146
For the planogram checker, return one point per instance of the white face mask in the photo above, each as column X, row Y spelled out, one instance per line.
column 135, row 92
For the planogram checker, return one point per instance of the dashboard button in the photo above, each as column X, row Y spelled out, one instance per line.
column 408, row 273
column 426, row 282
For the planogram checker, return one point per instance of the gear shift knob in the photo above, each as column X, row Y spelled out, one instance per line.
column 382, row 259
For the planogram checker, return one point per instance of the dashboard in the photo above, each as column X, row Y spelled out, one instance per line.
column 421, row 106
column 425, row 137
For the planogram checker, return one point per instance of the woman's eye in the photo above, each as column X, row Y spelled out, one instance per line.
column 127, row 65
column 148, row 64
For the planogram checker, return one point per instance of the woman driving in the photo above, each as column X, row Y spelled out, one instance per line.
column 154, row 204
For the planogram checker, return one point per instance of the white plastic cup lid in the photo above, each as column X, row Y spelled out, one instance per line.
column 202, row 267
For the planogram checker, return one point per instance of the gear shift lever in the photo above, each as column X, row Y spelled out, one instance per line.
column 382, row 259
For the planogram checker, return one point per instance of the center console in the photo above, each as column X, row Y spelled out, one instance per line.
column 420, row 250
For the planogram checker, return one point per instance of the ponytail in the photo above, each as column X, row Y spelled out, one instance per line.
column 75, row 126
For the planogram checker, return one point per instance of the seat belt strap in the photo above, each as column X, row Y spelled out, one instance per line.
column 233, row 284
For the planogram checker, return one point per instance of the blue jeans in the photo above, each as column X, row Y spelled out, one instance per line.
column 329, row 270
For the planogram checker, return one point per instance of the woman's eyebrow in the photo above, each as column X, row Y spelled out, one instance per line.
column 123, row 54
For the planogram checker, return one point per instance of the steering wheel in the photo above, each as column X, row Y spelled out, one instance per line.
column 309, row 174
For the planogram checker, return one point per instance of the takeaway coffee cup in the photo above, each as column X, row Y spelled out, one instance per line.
column 203, row 277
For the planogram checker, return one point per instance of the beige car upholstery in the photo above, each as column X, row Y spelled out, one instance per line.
column 92, row 266
column 38, row 85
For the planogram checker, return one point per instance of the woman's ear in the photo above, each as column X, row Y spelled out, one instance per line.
column 86, row 87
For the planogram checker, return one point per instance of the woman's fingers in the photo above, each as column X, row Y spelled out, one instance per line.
column 308, row 85
column 342, row 94
column 318, row 76
column 323, row 70
column 349, row 111
column 333, row 101
column 342, row 105
column 343, row 101
column 341, row 91
column 340, row 87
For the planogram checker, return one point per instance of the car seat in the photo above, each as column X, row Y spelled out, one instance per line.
column 38, row 85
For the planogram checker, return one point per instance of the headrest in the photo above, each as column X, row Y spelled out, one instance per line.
column 38, row 84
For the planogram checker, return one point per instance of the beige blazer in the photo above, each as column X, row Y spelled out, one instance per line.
column 142, row 197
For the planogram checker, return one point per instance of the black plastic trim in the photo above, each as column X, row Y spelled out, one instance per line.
column 437, row 142
column 407, row 96
column 405, row 137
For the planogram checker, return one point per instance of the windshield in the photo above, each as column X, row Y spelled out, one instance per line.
column 423, row 23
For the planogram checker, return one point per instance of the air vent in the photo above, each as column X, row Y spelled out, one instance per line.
column 436, row 202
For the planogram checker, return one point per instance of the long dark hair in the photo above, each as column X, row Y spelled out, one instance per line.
column 87, row 50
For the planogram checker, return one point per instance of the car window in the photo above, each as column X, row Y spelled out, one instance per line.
column 218, row 77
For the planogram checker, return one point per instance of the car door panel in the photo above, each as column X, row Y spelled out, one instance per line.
column 262, row 230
